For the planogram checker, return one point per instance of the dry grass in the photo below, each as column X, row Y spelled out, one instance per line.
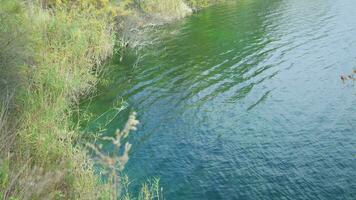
column 38, row 158
column 168, row 9
column 6, row 136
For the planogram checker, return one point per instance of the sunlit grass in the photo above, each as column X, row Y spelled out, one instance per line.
column 67, row 48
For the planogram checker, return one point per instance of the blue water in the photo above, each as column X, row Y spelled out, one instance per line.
column 244, row 101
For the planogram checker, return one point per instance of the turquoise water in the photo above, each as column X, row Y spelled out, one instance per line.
column 244, row 101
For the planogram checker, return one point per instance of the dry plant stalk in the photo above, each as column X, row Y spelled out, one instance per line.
column 114, row 164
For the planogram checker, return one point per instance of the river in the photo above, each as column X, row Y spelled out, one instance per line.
column 244, row 100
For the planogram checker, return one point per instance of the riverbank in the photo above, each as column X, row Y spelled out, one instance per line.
column 55, row 56
column 51, row 56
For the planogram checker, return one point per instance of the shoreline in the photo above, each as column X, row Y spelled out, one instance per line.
column 57, row 54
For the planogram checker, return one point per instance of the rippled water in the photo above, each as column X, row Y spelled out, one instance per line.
column 244, row 101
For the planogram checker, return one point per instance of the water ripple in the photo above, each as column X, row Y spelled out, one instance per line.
column 243, row 101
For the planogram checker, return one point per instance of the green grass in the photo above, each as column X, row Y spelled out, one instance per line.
column 67, row 47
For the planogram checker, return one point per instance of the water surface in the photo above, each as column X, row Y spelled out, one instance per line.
column 243, row 101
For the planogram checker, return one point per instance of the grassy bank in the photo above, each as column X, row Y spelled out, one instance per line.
column 55, row 58
column 50, row 57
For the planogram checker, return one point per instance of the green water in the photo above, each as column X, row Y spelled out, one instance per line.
column 244, row 101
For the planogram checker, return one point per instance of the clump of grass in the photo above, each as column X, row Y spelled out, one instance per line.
column 151, row 190
column 168, row 9
column 174, row 9
column 14, row 48
column 6, row 136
